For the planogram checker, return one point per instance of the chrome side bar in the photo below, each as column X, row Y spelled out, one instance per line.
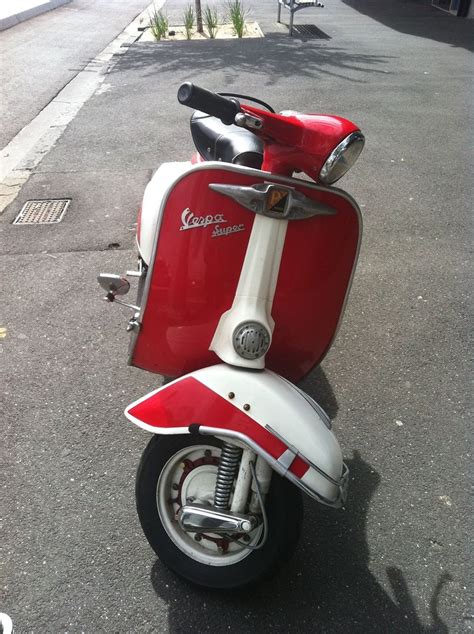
column 280, row 467
column 197, row 518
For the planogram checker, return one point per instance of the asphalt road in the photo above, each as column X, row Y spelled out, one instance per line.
column 396, row 381
column 40, row 56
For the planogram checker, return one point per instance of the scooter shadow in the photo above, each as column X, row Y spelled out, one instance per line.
column 327, row 586
column 318, row 387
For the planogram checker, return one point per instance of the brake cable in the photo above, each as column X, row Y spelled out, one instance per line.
column 247, row 98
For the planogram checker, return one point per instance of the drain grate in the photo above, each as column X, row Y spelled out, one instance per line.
column 310, row 31
column 42, row 212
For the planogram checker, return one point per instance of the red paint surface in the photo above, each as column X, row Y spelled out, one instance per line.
column 194, row 278
column 189, row 401
column 299, row 141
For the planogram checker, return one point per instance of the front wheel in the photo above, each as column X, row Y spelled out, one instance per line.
column 175, row 470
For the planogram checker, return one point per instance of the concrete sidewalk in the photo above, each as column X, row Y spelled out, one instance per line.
column 13, row 12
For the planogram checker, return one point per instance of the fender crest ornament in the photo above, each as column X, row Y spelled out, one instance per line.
column 274, row 201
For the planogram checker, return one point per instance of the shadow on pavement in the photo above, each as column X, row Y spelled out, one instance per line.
column 318, row 387
column 418, row 18
column 277, row 57
column 327, row 587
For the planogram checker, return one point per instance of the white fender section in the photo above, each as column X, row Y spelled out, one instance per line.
column 150, row 219
column 259, row 409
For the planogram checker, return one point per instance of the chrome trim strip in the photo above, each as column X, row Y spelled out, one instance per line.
column 337, row 503
column 298, row 453
column 279, row 468
column 311, row 401
column 287, row 458
column 230, row 433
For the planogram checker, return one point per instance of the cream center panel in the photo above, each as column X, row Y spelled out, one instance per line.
column 255, row 291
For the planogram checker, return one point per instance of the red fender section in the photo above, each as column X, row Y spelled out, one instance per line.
column 172, row 409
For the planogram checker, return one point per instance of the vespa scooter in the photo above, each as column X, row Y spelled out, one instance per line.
column 243, row 273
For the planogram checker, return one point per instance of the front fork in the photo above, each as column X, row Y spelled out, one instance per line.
column 245, row 485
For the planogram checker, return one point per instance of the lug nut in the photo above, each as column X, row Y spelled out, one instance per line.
column 231, row 395
column 246, row 407
column 175, row 486
column 198, row 537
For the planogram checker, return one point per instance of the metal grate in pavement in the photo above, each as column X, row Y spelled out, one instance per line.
column 42, row 212
column 310, row 31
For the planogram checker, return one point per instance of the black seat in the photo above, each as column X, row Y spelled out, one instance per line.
column 228, row 143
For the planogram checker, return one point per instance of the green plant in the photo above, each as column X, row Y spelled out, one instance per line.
column 211, row 19
column 237, row 15
column 188, row 19
column 158, row 23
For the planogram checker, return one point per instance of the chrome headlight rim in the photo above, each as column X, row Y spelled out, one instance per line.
column 329, row 173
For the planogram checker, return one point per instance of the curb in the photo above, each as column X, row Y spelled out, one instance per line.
column 26, row 150
column 44, row 6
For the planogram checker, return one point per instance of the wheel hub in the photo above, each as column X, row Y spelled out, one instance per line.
column 190, row 477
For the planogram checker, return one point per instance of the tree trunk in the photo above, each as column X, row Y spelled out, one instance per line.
column 199, row 16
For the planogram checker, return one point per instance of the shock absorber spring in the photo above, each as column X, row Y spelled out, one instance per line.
column 227, row 470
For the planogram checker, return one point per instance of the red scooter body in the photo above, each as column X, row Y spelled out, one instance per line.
column 198, row 254
column 254, row 265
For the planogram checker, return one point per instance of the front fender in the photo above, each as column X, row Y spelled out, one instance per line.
column 259, row 409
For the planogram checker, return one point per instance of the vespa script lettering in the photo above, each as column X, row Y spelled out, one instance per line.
column 226, row 231
column 190, row 221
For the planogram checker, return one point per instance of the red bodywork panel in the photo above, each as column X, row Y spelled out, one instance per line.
column 194, row 277
column 168, row 408
column 299, row 141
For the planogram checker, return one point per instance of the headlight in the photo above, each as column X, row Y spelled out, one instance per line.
column 342, row 158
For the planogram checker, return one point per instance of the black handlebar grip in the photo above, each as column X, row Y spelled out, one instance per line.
column 208, row 102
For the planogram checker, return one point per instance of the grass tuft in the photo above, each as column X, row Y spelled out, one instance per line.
column 237, row 16
column 158, row 24
column 188, row 19
column 211, row 20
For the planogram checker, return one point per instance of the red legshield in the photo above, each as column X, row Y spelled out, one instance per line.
column 198, row 256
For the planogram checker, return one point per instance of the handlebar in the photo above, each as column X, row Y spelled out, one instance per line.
column 208, row 102
column 292, row 141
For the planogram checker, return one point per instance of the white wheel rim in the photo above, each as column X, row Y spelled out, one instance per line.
column 198, row 483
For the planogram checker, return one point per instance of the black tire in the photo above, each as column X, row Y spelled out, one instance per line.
column 284, row 508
